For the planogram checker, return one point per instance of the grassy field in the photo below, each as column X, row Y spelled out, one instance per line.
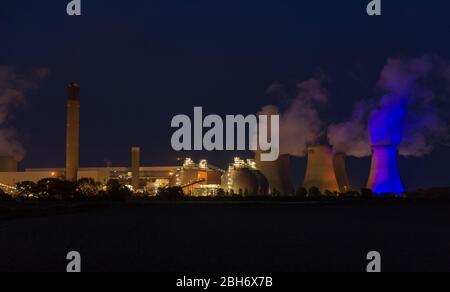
column 231, row 237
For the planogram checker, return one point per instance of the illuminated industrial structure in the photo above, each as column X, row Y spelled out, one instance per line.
column 72, row 131
column 278, row 174
column 135, row 167
column 244, row 178
column 320, row 170
column 200, row 179
column 150, row 178
column 325, row 170
column 384, row 175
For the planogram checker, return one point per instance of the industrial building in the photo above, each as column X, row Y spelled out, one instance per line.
column 244, row 178
column 150, row 178
column 200, row 179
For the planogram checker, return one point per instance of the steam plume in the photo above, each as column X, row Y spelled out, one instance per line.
column 407, row 115
column 351, row 137
column 300, row 122
column 13, row 89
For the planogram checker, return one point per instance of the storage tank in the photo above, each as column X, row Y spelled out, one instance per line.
column 263, row 183
column 384, row 175
column 185, row 175
column 243, row 178
column 8, row 164
column 320, row 169
column 278, row 174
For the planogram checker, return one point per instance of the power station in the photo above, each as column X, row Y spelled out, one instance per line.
column 326, row 170
column 139, row 178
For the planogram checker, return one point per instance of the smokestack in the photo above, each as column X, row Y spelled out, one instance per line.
column 384, row 175
column 277, row 173
column 340, row 169
column 8, row 164
column 135, row 167
column 72, row 131
column 320, row 170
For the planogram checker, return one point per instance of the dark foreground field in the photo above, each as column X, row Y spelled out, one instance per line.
column 233, row 238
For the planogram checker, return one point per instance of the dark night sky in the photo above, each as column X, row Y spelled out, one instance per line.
column 142, row 62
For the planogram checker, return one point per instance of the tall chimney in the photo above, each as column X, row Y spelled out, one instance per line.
column 8, row 164
column 384, row 175
column 340, row 169
column 72, row 131
column 320, row 170
column 277, row 173
column 135, row 167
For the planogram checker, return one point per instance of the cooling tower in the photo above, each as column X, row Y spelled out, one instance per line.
column 384, row 175
column 278, row 173
column 8, row 164
column 320, row 170
column 135, row 167
column 72, row 131
column 340, row 169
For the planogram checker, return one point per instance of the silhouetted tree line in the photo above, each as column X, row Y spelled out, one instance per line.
column 171, row 194
column 4, row 197
column 302, row 194
column 53, row 189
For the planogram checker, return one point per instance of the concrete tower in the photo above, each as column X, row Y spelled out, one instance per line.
column 278, row 173
column 72, row 131
column 384, row 175
column 8, row 164
column 340, row 169
column 135, row 167
column 320, row 170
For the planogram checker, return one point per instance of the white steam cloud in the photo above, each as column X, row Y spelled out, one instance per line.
column 352, row 137
column 408, row 114
column 13, row 89
column 300, row 123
